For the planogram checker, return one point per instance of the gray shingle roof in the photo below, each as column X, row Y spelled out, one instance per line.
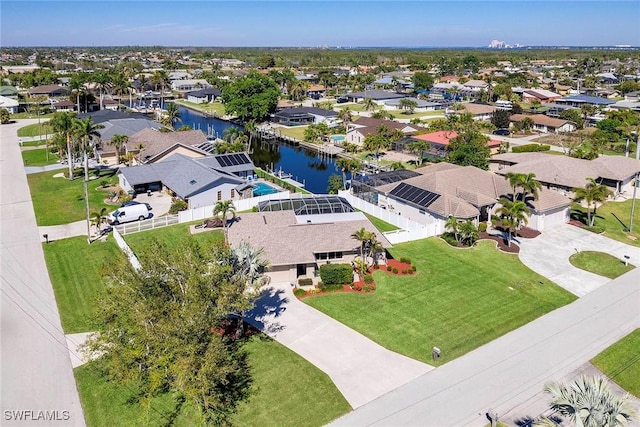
column 289, row 112
column 375, row 94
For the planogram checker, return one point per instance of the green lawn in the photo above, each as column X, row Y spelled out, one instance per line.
column 621, row 363
column 60, row 201
column 76, row 271
column 288, row 391
column 27, row 115
column 614, row 217
column 600, row 263
column 38, row 157
column 458, row 300
column 296, row 132
column 37, row 143
column 35, row 130
column 215, row 108
column 381, row 225
column 172, row 236
column 402, row 114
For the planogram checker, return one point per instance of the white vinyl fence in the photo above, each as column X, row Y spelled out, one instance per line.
column 147, row 224
column 240, row 205
column 126, row 249
column 409, row 229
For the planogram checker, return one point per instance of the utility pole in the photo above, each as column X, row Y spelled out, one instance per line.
column 635, row 188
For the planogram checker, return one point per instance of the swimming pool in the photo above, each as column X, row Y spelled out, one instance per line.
column 337, row 138
column 260, row 189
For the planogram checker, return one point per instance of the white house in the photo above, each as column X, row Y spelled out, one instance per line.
column 189, row 84
column 9, row 104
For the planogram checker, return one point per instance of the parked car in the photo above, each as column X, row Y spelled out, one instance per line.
column 503, row 132
column 342, row 99
column 137, row 212
column 133, row 202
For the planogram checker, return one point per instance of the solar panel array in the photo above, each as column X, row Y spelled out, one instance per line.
column 414, row 195
column 233, row 159
column 208, row 147
column 382, row 178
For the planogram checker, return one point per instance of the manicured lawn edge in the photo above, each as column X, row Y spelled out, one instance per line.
column 620, row 362
column 600, row 263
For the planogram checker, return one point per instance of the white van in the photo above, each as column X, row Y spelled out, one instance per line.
column 129, row 213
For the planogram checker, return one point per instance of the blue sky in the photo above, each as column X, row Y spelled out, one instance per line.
column 318, row 23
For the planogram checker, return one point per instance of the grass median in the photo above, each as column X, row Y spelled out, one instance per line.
column 458, row 300
column 621, row 362
column 600, row 263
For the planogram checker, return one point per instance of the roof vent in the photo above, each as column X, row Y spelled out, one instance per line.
column 308, row 221
column 192, row 182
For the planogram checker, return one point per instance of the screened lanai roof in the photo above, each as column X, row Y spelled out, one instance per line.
column 308, row 205
column 383, row 178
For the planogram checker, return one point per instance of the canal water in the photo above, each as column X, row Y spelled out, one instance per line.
column 305, row 165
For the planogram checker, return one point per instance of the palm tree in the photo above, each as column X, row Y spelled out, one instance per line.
column 86, row 130
column 362, row 236
column 103, row 83
column 64, row 123
column 250, row 129
column 420, row 148
column 249, row 265
column 346, row 116
column 453, row 225
column 160, row 78
column 222, row 209
column 529, row 185
column 231, row 133
column 172, row 115
column 348, row 165
column 368, row 104
column 588, row 402
column 592, row 193
column 98, row 218
column 513, row 215
column 298, row 90
column 515, row 179
column 76, row 85
column 118, row 141
column 468, row 232
column 379, row 140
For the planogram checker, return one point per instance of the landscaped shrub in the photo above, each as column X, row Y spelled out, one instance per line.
column 369, row 287
column 376, row 266
column 530, row 148
column 413, row 268
column 450, row 239
column 405, row 260
column 104, row 183
column 368, row 279
column 336, row 274
column 178, row 205
column 404, row 271
column 305, row 282
column 299, row 292
column 482, row 227
column 395, row 270
column 321, row 285
column 388, row 268
column 332, row 288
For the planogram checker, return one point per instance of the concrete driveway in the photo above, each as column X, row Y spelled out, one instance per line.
column 361, row 369
column 548, row 255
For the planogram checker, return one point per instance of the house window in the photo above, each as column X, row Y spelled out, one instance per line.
column 219, row 195
column 233, row 193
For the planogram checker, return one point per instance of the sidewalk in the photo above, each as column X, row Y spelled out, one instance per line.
column 361, row 369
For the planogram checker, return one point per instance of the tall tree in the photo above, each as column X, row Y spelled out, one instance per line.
column 86, row 131
column 588, row 402
column 420, row 147
column 362, row 236
column 171, row 115
column 469, row 149
column 222, row 209
column 346, row 116
column 452, row 224
column 252, row 97
column 422, row 81
column 379, row 140
column 64, row 123
column 348, row 165
column 119, row 141
column 162, row 327
column 592, row 194
column 500, row 118
column 368, row 104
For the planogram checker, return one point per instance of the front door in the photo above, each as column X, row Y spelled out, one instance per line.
column 301, row 270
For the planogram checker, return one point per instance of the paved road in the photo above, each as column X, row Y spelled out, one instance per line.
column 36, row 371
column 512, row 369
column 548, row 255
column 361, row 369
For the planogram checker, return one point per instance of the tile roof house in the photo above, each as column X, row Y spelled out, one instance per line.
column 295, row 247
column 440, row 140
column 542, row 95
column 480, row 112
column 199, row 182
column 49, row 90
column 564, row 173
column 465, row 192
column 363, row 126
column 545, row 124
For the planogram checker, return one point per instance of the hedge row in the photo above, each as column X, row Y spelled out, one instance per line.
column 530, row 148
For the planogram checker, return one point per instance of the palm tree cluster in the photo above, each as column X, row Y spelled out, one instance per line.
column 464, row 232
column 348, row 165
column 222, row 209
column 592, row 194
column 370, row 247
column 588, row 402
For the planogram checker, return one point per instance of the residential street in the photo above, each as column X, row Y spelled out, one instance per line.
column 512, row 369
column 36, row 368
